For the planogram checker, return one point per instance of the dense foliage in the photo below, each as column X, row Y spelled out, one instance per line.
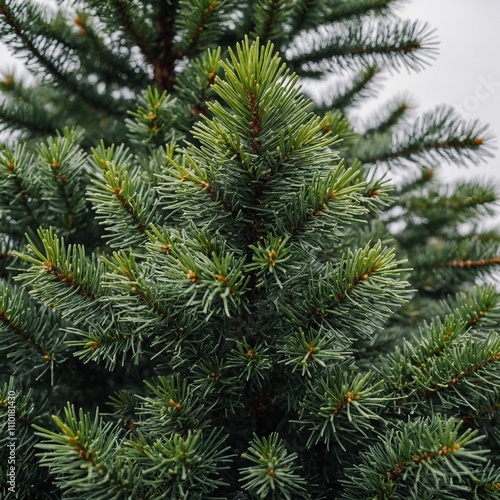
column 210, row 286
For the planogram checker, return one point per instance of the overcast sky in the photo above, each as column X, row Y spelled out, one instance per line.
column 466, row 73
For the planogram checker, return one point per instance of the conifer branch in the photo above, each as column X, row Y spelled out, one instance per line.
column 374, row 44
column 330, row 404
column 14, row 183
column 126, row 18
column 113, row 67
column 437, row 135
column 194, row 84
column 199, row 22
column 349, row 94
column 404, row 457
column 246, row 333
column 88, row 447
column 62, row 277
column 64, row 78
column 354, row 277
column 13, row 117
column 272, row 471
column 303, row 14
column 467, row 264
column 392, row 115
column 121, row 199
column 342, row 11
column 482, row 358
column 23, row 335
column 28, row 330
column 268, row 19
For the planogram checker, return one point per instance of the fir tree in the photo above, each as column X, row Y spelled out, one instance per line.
column 210, row 286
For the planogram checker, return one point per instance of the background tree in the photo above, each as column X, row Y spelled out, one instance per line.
column 217, row 276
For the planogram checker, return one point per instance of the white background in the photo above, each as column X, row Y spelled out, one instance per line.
column 469, row 35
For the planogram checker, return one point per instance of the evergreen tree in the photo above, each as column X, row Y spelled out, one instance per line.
column 211, row 288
